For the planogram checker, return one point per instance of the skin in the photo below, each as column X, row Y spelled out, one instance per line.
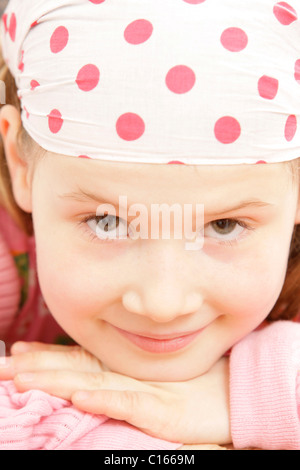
column 155, row 287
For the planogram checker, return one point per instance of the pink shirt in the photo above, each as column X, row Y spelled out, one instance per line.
column 265, row 388
column 264, row 375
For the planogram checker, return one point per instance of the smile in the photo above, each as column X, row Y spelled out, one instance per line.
column 160, row 344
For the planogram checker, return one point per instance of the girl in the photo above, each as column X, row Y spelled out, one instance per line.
column 134, row 102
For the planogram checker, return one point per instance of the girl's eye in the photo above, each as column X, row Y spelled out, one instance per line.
column 110, row 228
column 107, row 227
column 229, row 230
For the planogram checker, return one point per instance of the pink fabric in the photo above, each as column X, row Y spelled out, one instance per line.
column 9, row 287
column 265, row 388
column 35, row 420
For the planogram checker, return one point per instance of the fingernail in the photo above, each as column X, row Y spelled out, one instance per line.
column 26, row 377
column 20, row 347
column 5, row 362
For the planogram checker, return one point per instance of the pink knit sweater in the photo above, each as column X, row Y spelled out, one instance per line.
column 264, row 375
column 265, row 388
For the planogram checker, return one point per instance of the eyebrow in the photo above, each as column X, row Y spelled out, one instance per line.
column 83, row 195
column 255, row 203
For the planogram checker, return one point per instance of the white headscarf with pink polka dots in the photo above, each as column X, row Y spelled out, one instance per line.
column 158, row 81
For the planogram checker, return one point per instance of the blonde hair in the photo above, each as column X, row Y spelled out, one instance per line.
column 288, row 303
column 23, row 219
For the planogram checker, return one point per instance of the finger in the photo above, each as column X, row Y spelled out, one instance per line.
column 70, row 359
column 6, row 370
column 23, row 347
column 63, row 383
column 135, row 408
column 56, row 379
column 55, row 382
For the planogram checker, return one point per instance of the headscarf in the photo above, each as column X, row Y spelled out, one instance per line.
column 158, row 81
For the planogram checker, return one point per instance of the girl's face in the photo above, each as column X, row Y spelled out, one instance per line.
column 150, row 308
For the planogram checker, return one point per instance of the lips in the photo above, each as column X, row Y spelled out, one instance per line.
column 160, row 344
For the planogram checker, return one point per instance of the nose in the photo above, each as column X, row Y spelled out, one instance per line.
column 164, row 286
column 161, row 306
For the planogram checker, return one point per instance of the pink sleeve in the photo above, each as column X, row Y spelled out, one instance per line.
column 35, row 420
column 265, row 388
column 9, row 287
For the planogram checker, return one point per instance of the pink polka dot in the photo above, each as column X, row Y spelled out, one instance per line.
column 35, row 23
column 97, row 2
column 180, row 79
column 21, row 63
column 175, row 162
column 34, row 84
column 27, row 113
column 260, row 162
column 130, row 126
column 4, row 20
column 138, row 32
column 234, row 39
column 227, row 130
column 290, row 127
column 59, row 39
column 297, row 71
column 12, row 27
column 83, row 156
column 55, row 121
column 194, row 2
column 88, row 77
column 284, row 13
column 268, row 87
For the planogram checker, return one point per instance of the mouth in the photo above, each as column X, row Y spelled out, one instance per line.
column 160, row 344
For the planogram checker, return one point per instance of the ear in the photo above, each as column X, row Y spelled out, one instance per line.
column 10, row 124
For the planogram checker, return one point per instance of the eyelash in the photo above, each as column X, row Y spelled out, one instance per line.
column 235, row 241
column 230, row 243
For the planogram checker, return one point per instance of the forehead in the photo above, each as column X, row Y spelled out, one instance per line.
column 152, row 181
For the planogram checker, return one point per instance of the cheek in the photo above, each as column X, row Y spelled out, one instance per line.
column 250, row 285
column 73, row 288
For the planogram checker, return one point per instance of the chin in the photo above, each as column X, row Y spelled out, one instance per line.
column 159, row 373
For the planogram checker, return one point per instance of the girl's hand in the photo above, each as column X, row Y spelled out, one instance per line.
column 193, row 412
